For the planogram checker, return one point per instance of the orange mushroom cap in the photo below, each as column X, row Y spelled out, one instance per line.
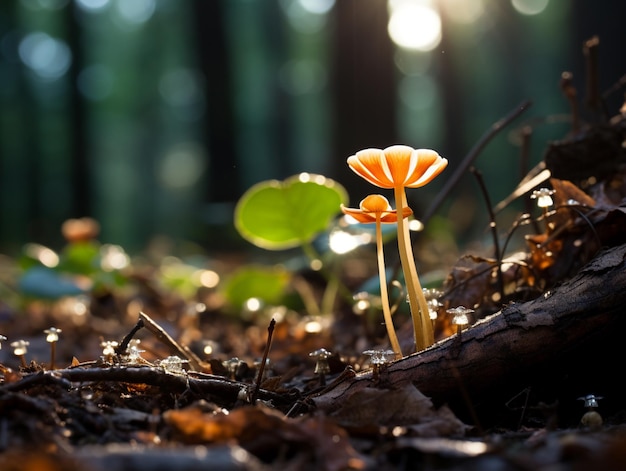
column 371, row 207
column 397, row 165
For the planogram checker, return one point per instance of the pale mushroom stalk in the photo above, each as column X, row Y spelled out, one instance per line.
column 422, row 326
column 376, row 209
column 384, row 295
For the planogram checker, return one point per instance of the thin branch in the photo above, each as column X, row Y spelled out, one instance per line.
column 470, row 157
column 494, row 229
column 194, row 361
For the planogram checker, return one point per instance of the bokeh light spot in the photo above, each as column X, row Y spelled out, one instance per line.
column 48, row 57
column 182, row 166
column 92, row 5
column 463, row 11
column 530, row 7
column 135, row 12
column 319, row 7
column 414, row 25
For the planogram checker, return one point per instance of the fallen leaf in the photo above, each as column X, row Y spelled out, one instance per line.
column 406, row 406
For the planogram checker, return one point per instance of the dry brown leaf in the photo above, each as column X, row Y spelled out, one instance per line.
column 263, row 431
column 407, row 406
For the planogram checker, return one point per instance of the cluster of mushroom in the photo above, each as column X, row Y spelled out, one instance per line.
column 397, row 167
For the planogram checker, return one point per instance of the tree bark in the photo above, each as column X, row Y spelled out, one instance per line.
column 562, row 342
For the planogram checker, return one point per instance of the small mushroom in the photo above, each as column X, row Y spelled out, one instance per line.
column 2, row 339
column 173, row 365
column 544, row 201
column 592, row 418
column 378, row 359
column 460, row 317
column 108, row 350
column 432, row 300
column 134, row 352
column 543, row 197
column 376, row 209
column 52, row 337
column 322, row 368
column 20, row 348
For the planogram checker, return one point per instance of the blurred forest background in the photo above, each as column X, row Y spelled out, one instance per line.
column 154, row 116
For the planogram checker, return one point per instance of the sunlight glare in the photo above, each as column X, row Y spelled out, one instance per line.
column 47, row 257
column 416, row 225
column 113, row 257
column 414, row 24
column 208, row 278
column 342, row 242
column 253, row 304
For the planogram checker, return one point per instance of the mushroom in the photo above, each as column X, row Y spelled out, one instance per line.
column 322, row 368
column 543, row 197
column 376, row 209
column 108, row 350
column 432, row 299
column 2, row 339
column 460, row 316
column 398, row 167
column 378, row 359
column 544, row 201
column 20, row 347
column 52, row 337
column 134, row 352
column 173, row 365
column 591, row 419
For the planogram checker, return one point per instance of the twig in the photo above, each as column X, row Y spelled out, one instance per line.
column 259, row 378
column 194, row 362
column 470, row 157
column 204, row 384
column 494, row 229
column 593, row 100
column 568, row 89
column 121, row 348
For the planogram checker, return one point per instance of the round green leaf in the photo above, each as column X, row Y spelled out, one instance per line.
column 279, row 215
column 265, row 283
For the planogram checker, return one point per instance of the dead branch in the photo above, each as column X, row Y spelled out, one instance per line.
column 217, row 388
column 582, row 312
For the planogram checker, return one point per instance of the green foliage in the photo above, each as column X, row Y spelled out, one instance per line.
column 81, row 258
column 278, row 215
column 265, row 283
column 76, row 269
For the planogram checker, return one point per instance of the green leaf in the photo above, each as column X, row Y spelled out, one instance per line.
column 267, row 284
column 279, row 215
column 80, row 257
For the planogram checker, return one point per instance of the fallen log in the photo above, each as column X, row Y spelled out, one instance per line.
column 563, row 344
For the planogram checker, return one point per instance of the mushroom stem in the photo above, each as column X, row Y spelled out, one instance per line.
column 52, row 354
column 422, row 327
column 384, row 295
